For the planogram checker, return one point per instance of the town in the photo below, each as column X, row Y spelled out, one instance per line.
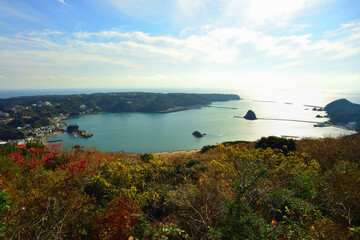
column 21, row 123
column 34, row 134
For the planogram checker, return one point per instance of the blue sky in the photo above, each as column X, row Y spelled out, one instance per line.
column 180, row 44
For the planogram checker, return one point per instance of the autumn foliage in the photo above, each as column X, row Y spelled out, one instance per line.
column 231, row 191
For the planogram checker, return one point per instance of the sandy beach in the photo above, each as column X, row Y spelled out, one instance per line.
column 176, row 152
column 44, row 140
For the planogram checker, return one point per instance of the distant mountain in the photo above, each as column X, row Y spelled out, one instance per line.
column 342, row 111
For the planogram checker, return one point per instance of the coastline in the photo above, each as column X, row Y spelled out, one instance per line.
column 341, row 127
column 44, row 140
column 175, row 152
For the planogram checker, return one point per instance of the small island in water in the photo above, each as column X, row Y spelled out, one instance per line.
column 74, row 129
column 250, row 115
column 198, row 134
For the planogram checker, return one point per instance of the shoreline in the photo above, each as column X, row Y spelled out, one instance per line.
column 175, row 152
column 44, row 140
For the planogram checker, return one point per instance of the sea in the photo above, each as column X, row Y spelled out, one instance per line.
column 281, row 112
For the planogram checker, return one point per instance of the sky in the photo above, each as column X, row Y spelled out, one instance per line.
column 180, row 44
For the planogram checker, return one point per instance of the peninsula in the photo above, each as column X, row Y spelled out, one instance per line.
column 342, row 112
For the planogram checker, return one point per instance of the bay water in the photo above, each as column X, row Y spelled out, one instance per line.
column 155, row 132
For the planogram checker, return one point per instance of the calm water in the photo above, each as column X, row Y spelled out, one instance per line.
column 146, row 132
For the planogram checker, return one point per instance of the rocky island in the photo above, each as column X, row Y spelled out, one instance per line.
column 250, row 115
column 74, row 129
column 198, row 134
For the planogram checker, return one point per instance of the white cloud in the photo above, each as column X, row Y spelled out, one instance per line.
column 264, row 9
column 63, row 2
column 19, row 41
column 156, row 77
column 243, row 12
column 292, row 27
column 68, row 58
column 46, row 32
column 213, row 45
column 227, row 46
column 54, row 77
column 352, row 28
column 2, row 77
column 141, row 8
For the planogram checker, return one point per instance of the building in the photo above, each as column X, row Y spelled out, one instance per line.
column 4, row 114
column 6, row 121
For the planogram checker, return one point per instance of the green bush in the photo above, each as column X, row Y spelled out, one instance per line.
column 192, row 162
column 283, row 144
column 146, row 157
column 207, row 148
column 72, row 128
column 4, row 199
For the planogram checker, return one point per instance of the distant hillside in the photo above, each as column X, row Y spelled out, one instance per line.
column 48, row 106
column 342, row 111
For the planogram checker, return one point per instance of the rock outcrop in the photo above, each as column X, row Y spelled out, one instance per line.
column 250, row 115
column 198, row 134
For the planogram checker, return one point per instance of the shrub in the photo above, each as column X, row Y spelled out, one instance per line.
column 72, row 128
column 283, row 144
column 192, row 162
column 146, row 157
column 119, row 221
column 4, row 200
column 207, row 148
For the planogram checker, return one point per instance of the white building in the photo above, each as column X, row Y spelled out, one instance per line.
column 4, row 114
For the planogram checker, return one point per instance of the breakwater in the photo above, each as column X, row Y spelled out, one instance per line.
column 282, row 119
column 223, row 107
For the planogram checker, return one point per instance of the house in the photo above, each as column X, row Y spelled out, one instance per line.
column 6, row 121
column 4, row 114
column 21, row 142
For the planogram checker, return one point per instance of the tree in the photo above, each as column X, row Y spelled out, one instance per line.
column 72, row 128
column 283, row 144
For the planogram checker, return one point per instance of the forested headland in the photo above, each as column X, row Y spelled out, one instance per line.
column 73, row 105
column 343, row 111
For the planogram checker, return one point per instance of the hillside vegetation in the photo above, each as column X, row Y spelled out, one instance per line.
column 232, row 191
column 342, row 111
column 53, row 105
